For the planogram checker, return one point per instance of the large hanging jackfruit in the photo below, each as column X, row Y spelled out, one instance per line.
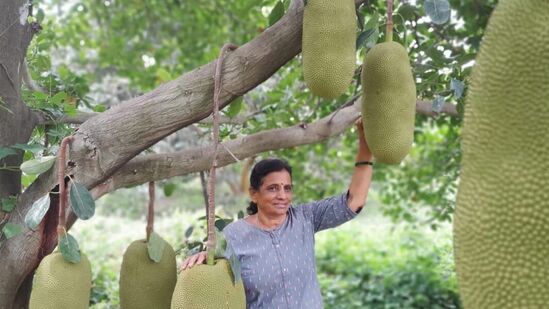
column 144, row 283
column 329, row 46
column 501, row 225
column 389, row 102
column 59, row 284
column 208, row 287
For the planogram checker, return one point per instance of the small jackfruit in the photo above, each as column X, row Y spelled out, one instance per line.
column 388, row 102
column 145, row 284
column 501, row 224
column 329, row 46
column 208, row 287
column 59, row 284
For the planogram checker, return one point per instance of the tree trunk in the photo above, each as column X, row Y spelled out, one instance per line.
column 16, row 125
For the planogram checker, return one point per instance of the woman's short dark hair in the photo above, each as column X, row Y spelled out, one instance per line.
column 262, row 169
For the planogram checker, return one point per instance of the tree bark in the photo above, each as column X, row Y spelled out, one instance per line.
column 16, row 125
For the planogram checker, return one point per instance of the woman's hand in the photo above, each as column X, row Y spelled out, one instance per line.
column 364, row 152
column 194, row 259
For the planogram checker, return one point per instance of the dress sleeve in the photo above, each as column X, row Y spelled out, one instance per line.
column 329, row 212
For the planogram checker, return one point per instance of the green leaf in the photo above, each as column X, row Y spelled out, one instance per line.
column 5, row 151
column 27, row 180
column 8, row 203
column 40, row 16
column 276, row 13
column 11, row 229
column 189, row 231
column 240, row 214
column 235, row 267
column 235, row 107
column 40, row 96
column 364, row 36
column 438, row 10
column 99, row 108
column 169, row 188
column 69, row 248
column 220, row 245
column 155, row 247
column 34, row 147
column 371, row 41
column 58, row 98
column 162, row 75
column 38, row 166
column 63, row 71
column 82, row 202
column 373, row 22
column 407, row 11
column 220, row 224
column 37, row 212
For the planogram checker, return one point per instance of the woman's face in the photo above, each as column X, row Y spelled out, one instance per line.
column 275, row 193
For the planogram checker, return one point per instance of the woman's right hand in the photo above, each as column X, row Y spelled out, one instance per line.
column 194, row 259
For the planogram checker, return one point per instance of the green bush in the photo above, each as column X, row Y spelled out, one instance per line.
column 403, row 269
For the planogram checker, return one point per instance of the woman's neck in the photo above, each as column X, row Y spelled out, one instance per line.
column 268, row 222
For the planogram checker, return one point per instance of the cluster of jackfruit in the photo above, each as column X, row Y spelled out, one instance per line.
column 328, row 49
column 388, row 102
column 328, row 46
column 146, row 284
column 501, row 224
column 59, row 284
column 209, row 287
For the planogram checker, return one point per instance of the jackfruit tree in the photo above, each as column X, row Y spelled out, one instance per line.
column 125, row 78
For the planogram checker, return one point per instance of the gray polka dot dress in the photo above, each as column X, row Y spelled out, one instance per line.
column 278, row 266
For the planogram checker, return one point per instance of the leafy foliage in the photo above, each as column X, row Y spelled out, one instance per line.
column 403, row 270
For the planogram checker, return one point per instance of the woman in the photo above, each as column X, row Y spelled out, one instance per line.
column 275, row 242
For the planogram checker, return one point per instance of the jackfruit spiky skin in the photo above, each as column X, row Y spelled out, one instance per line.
column 501, row 224
column 329, row 46
column 59, row 284
column 145, row 284
column 208, row 287
column 388, row 102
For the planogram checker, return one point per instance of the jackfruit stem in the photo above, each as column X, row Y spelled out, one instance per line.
column 389, row 29
column 150, row 214
column 215, row 131
column 63, row 197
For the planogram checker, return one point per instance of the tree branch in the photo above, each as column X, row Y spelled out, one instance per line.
column 160, row 166
column 426, row 108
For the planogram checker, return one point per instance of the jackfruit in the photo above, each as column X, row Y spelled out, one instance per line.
column 145, row 284
column 329, row 46
column 501, row 224
column 59, row 284
column 388, row 102
column 208, row 287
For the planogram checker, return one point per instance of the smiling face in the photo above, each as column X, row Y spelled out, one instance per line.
column 274, row 195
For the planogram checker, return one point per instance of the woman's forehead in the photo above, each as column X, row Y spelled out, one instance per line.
column 279, row 177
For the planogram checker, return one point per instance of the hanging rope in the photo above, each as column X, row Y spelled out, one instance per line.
column 63, row 196
column 150, row 214
column 211, row 181
column 389, row 31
